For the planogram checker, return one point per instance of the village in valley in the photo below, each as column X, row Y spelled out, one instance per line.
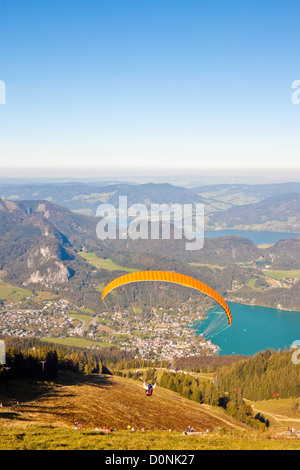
column 22, row 321
column 162, row 335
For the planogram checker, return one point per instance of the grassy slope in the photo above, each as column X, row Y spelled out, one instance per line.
column 77, row 342
column 41, row 438
column 281, row 412
column 45, row 416
column 11, row 293
column 107, row 263
column 97, row 401
column 287, row 274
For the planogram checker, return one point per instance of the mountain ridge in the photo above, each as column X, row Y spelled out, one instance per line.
column 41, row 245
column 277, row 213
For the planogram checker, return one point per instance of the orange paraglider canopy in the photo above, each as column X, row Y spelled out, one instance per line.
column 166, row 276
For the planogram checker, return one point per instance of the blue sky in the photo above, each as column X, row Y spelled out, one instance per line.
column 147, row 84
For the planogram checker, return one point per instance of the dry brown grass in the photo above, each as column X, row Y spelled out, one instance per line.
column 45, row 417
column 97, row 401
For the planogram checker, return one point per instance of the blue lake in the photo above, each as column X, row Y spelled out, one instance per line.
column 256, row 329
column 258, row 237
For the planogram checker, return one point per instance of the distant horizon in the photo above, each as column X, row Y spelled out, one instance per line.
column 209, row 176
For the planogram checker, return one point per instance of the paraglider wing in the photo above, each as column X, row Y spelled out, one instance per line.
column 166, row 276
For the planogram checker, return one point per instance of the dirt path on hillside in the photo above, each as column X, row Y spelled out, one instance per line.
column 275, row 416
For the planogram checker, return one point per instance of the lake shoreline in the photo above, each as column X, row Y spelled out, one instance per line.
column 258, row 237
column 255, row 328
column 262, row 306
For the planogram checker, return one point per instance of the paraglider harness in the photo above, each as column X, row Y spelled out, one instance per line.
column 149, row 389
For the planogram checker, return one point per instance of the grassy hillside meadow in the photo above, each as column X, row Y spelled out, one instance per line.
column 45, row 415
column 107, row 263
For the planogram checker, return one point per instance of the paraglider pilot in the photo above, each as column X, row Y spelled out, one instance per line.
column 149, row 389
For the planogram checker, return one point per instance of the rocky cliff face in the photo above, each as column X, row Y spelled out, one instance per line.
column 33, row 250
column 51, row 263
column 50, row 277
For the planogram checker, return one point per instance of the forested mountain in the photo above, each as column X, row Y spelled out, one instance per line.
column 285, row 254
column 39, row 244
column 39, row 240
column 262, row 376
column 246, row 193
column 42, row 243
column 275, row 213
column 85, row 198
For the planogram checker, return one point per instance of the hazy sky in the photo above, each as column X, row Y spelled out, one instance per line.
column 179, row 84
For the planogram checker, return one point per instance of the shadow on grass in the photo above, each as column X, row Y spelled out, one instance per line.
column 20, row 391
column 9, row 415
column 66, row 378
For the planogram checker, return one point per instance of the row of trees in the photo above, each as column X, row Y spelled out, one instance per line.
column 266, row 375
column 205, row 363
column 31, row 358
column 263, row 376
column 201, row 391
column 208, row 392
column 40, row 364
column 139, row 364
